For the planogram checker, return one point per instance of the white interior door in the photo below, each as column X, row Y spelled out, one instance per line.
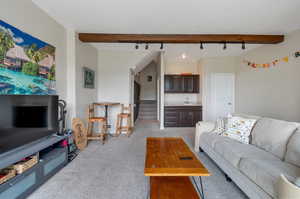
column 222, row 87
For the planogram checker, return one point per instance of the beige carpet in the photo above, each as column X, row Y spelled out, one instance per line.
column 115, row 170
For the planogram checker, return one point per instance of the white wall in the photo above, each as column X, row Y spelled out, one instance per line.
column 148, row 89
column 275, row 91
column 70, row 55
column 71, row 75
column 179, row 65
column 114, row 78
column 162, row 67
column 207, row 67
column 26, row 16
column 86, row 56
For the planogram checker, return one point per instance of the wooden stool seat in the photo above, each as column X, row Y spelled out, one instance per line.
column 95, row 137
column 102, row 124
column 97, row 119
column 172, row 188
column 124, row 116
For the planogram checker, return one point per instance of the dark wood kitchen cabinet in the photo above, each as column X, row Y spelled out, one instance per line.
column 181, row 83
column 182, row 116
column 173, row 83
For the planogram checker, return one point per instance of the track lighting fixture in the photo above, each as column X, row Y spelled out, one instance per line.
column 225, row 46
column 201, row 46
column 243, row 46
column 147, row 46
column 161, row 46
column 136, row 46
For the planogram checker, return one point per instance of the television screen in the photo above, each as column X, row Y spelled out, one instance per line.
column 26, row 118
column 30, row 116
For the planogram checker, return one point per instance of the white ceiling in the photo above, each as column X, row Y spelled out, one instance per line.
column 177, row 17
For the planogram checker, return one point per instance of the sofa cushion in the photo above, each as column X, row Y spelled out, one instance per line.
column 211, row 139
column 233, row 151
column 293, row 149
column 273, row 135
column 266, row 173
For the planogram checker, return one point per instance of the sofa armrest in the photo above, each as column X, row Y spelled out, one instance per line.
column 202, row 127
column 286, row 189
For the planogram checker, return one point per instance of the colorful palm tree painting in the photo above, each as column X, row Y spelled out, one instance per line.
column 27, row 64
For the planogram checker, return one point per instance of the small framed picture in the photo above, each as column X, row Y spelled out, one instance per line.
column 88, row 78
column 149, row 78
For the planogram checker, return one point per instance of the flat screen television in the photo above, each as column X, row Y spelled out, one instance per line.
column 26, row 118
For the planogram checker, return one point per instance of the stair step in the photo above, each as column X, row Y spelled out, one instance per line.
column 147, row 117
column 148, row 107
column 147, row 114
column 147, row 102
column 147, row 110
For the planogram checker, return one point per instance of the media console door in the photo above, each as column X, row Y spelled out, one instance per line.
column 27, row 182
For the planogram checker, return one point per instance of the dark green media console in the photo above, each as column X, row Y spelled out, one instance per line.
column 50, row 162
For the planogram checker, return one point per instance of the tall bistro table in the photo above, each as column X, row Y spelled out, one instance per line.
column 170, row 163
column 106, row 105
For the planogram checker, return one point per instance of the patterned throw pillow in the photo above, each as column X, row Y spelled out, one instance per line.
column 220, row 126
column 239, row 129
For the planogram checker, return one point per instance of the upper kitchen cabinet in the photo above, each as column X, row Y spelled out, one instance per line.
column 173, row 84
column 181, row 83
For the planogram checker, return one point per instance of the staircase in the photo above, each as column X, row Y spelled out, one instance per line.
column 148, row 110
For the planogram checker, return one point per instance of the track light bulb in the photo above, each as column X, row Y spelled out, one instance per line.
column 136, row 46
column 147, row 46
column 243, row 46
column 162, row 46
column 201, row 46
column 225, row 46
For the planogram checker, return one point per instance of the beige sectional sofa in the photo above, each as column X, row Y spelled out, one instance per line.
column 256, row 167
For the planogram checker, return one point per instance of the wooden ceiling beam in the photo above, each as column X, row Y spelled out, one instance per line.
column 171, row 38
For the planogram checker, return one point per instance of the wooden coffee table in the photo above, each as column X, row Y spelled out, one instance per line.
column 169, row 163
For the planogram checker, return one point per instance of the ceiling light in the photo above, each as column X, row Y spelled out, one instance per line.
column 201, row 46
column 136, row 46
column 162, row 46
column 147, row 46
column 183, row 56
column 243, row 46
column 225, row 46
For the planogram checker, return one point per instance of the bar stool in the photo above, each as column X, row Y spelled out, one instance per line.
column 102, row 124
column 124, row 115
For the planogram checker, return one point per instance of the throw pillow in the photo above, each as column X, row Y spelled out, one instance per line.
column 242, row 139
column 220, row 126
column 239, row 128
